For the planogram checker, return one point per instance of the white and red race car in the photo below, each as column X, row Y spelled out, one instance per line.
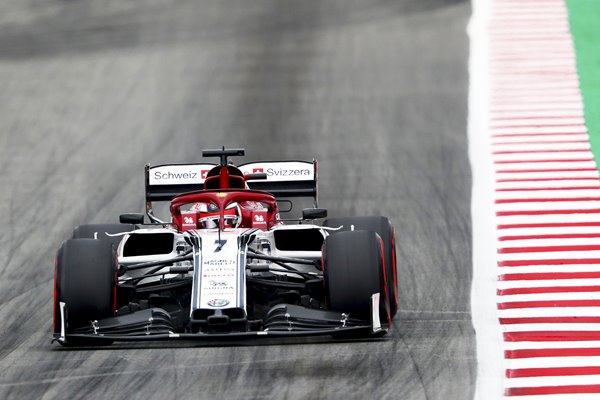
column 226, row 264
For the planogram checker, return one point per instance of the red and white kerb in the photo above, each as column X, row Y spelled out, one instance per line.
column 546, row 203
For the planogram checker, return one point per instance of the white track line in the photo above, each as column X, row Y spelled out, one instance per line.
column 549, row 312
column 550, row 269
column 543, row 362
column 553, row 381
column 550, row 296
column 490, row 365
column 548, row 283
column 570, row 396
column 591, row 344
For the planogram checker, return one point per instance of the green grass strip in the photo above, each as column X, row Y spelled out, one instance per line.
column 584, row 16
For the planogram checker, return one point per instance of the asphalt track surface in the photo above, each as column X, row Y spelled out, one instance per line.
column 90, row 91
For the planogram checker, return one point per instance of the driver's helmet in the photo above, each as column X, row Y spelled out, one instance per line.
column 208, row 216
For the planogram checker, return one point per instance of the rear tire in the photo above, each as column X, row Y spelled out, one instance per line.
column 86, row 278
column 99, row 231
column 383, row 227
column 353, row 272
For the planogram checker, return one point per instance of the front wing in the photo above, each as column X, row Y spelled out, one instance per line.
column 284, row 320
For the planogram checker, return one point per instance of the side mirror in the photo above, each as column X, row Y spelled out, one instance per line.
column 255, row 176
column 314, row 213
column 133, row 218
column 288, row 203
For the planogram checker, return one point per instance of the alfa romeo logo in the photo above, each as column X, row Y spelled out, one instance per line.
column 218, row 303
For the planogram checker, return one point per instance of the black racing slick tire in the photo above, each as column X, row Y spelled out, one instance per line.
column 100, row 231
column 353, row 271
column 85, row 281
column 383, row 227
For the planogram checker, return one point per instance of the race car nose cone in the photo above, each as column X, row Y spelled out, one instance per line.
column 217, row 320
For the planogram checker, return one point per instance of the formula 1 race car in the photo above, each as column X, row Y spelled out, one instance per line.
column 226, row 264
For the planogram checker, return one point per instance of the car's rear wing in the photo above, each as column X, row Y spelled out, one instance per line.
column 164, row 182
column 284, row 179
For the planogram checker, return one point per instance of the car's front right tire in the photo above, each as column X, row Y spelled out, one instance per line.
column 102, row 232
column 85, row 280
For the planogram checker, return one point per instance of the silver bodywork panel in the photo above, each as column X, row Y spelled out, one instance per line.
column 219, row 260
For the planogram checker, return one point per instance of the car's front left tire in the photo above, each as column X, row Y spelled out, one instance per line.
column 353, row 271
column 383, row 227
